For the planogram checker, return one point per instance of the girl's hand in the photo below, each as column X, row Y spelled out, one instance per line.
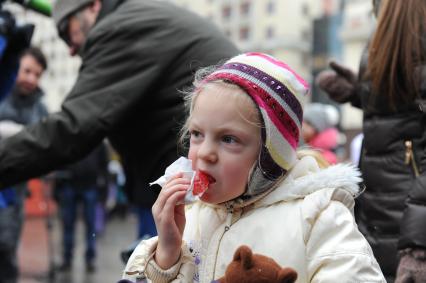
column 170, row 220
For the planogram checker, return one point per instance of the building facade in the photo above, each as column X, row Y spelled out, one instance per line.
column 281, row 28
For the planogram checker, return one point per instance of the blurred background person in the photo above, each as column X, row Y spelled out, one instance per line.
column 319, row 129
column 81, row 185
column 23, row 106
column 390, row 89
column 117, row 202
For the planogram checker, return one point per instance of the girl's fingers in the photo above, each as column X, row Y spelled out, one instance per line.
column 170, row 206
column 167, row 216
column 176, row 183
column 166, row 193
column 170, row 200
column 176, row 180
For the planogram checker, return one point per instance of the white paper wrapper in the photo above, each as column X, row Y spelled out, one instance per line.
column 182, row 165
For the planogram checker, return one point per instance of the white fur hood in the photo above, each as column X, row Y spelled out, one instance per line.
column 307, row 178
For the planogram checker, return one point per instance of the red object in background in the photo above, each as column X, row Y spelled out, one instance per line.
column 201, row 183
column 40, row 202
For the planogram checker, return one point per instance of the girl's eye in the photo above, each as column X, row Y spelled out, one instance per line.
column 229, row 139
column 195, row 134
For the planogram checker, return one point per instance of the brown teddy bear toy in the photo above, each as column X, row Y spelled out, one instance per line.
column 247, row 267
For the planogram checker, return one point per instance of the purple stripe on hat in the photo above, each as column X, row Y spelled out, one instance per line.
column 274, row 84
column 266, row 92
column 275, row 112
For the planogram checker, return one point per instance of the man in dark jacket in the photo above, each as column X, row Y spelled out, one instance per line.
column 136, row 56
column 22, row 107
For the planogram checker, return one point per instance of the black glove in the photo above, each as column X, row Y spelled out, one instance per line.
column 412, row 266
column 339, row 83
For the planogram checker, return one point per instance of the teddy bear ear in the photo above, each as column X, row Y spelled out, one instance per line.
column 244, row 254
column 287, row 275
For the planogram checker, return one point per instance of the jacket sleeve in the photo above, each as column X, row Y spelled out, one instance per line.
column 141, row 265
column 335, row 247
column 355, row 100
column 413, row 230
column 115, row 74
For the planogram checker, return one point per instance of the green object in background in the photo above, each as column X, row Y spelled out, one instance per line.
column 41, row 6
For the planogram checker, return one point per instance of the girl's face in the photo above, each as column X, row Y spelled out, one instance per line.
column 225, row 140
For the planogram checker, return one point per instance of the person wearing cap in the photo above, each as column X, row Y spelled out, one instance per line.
column 319, row 129
column 136, row 57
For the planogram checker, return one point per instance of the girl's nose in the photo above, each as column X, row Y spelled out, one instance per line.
column 207, row 152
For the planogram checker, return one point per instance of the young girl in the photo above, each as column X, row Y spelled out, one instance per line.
column 244, row 124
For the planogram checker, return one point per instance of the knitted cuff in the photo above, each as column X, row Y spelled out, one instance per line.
column 158, row 275
column 416, row 253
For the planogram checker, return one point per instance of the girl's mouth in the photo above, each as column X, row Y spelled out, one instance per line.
column 201, row 183
column 209, row 178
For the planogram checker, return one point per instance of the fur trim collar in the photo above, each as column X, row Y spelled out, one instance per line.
column 306, row 177
column 303, row 179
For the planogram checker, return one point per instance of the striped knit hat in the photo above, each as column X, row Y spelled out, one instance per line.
column 278, row 92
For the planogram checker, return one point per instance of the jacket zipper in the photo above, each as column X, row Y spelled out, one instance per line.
column 230, row 210
column 409, row 157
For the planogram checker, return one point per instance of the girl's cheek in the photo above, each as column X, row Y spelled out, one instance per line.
column 192, row 156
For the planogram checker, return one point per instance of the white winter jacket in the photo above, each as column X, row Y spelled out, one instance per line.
column 306, row 223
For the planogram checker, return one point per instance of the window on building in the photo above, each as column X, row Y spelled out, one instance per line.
column 270, row 7
column 270, row 32
column 244, row 33
column 245, row 8
column 226, row 12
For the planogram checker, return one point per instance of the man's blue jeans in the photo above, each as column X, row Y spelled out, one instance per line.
column 146, row 223
column 70, row 198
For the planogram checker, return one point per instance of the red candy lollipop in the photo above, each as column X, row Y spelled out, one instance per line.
column 201, row 183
